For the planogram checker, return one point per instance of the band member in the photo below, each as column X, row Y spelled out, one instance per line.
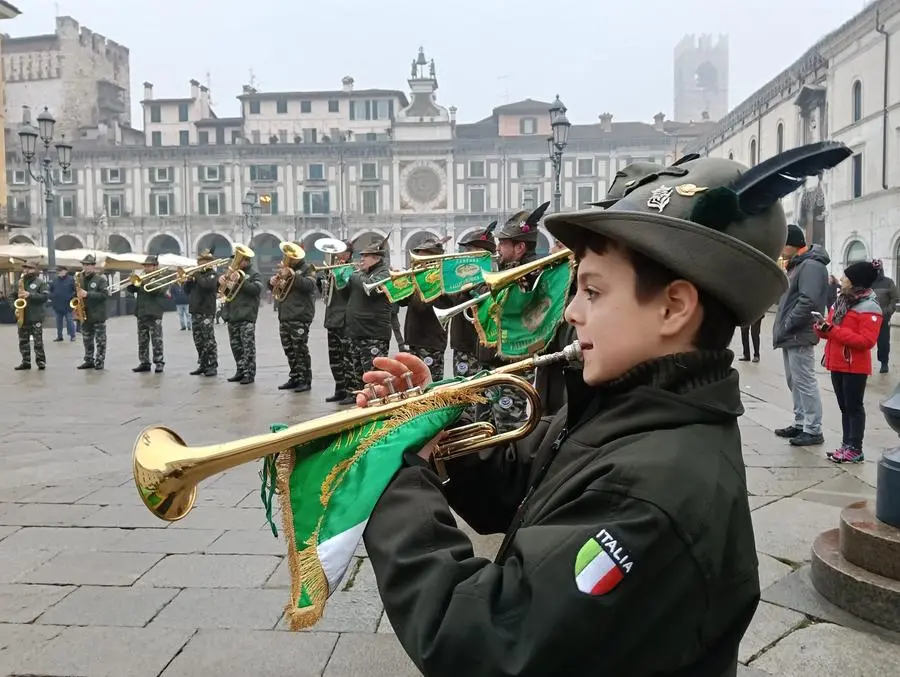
column 201, row 290
column 35, row 292
column 240, row 314
column 368, row 315
column 296, row 311
column 463, row 337
column 517, row 241
column 423, row 333
column 93, row 294
column 148, row 309
column 602, row 550
column 336, row 325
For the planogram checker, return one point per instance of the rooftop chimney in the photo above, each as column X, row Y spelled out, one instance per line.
column 195, row 89
column 347, row 83
column 148, row 90
column 658, row 121
column 606, row 121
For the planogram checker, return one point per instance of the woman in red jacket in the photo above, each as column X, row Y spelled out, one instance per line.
column 851, row 331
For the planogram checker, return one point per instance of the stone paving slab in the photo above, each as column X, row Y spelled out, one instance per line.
column 770, row 624
column 78, row 539
column 45, row 514
column 104, row 652
column 108, row 606
column 168, row 541
column 92, row 568
column 215, row 653
column 369, row 655
column 14, row 565
column 211, row 571
column 786, row 529
column 347, row 611
column 18, row 641
column 826, row 650
column 244, row 542
column 223, row 608
column 20, row 603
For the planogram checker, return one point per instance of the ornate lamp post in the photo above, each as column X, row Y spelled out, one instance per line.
column 250, row 216
column 28, row 136
column 556, row 144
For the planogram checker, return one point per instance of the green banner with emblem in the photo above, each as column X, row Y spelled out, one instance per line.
column 461, row 273
column 485, row 316
column 527, row 320
column 342, row 275
column 398, row 288
column 428, row 283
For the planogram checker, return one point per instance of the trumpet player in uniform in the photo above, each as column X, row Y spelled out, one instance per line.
column 368, row 316
column 423, row 334
column 293, row 288
column 92, row 293
column 516, row 244
column 240, row 314
column 463, row 337
column 201, row 288
column 148, row 309
column 336, row 325
column 34, row 291
column 608, row 565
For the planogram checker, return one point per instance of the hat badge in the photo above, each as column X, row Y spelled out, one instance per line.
column 659, row 198
column 690, row 189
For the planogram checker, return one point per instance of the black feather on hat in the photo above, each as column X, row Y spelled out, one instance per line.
column 481, row 239
column 523, row 225
column 377, row 248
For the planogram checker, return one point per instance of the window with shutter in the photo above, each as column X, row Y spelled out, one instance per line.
column 201, row 203
column 253, row 176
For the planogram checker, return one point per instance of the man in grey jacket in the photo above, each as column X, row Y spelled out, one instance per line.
column 793, row 332
column 888, row 297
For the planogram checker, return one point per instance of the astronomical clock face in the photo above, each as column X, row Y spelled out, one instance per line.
column 423, row 186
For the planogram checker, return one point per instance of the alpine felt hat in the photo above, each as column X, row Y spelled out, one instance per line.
column 714, row 222
column 481, row 239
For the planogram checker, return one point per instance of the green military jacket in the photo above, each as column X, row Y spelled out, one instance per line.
column 300, row 303
column 201, row 290
column 336, row 308
column 38, row 294
column 245, row 306
column 632, row 554
column 96, row 287
column 368, row 315
column 148, row 304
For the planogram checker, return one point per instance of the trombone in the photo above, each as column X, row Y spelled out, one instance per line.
column 137, row 279
column 167, row 471
column 180, row 275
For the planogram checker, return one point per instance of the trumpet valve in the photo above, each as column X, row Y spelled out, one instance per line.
column 411, row 389
column 392, row 395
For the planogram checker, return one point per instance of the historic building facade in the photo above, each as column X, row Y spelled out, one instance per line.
column 7, row 11
column 845, row 88
column 341, row 164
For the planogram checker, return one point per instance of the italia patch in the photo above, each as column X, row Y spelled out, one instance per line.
column 505, row 402
column 601, row 564
column 462, row 367
column 428, row 361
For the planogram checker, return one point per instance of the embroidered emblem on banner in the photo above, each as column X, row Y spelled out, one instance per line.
column 601, row 564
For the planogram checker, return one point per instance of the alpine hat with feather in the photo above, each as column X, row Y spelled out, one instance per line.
column 377, row 247
column 523, row 226
column 481, row 239
column 715, row 222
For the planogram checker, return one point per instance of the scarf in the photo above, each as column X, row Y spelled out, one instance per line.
column 846, row 300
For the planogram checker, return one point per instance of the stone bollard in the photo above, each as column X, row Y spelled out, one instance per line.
column 887, row 501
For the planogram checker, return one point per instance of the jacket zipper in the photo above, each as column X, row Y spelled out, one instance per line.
column 523, row 506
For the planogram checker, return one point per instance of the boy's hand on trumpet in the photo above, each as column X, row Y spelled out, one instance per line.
column 396, row 368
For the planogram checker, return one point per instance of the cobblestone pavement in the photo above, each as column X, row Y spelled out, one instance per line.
column 92, row 585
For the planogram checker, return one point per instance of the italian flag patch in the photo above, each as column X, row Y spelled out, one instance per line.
column 596, row 570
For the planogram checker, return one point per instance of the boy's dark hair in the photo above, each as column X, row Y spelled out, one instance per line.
column 651, row 277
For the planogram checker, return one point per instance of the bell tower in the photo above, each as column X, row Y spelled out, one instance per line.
column 701, row 78
column 423, row 119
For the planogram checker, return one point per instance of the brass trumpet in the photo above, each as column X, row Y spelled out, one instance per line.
column 167, row 471
column 180, row 275
column 319, row 269
column 394, row 274
column 444, row 315
column 419, row 260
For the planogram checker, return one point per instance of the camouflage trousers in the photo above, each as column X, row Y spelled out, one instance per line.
column 28, row 331
column 93, row 335
column 205, row 341
column 295, row 342
column 433, row 359
column 509, row 406
column 362, row 352
column 150, row 333
column 242, row 337
column 339, row 359
column 466, row 364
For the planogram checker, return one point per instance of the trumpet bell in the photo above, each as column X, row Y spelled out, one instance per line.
column 20, row 304
column 243, row 251
column 153, row 475
column 330, row 245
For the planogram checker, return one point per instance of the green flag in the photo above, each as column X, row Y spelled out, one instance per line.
column 342, row 275
column 461, row 273
column 527, row 320
column 398, row 288
column 428, row 283
column 329, row 486
column 485, row 316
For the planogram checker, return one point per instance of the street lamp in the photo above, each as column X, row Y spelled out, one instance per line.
column 556, row 144
column 28, row 137
column 250, row 217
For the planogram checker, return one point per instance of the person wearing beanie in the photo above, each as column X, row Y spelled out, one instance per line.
column 888, row 298
column 851, row 331
column 806, row 268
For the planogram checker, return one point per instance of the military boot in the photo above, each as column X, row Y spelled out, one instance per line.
column 236, row 378
column 199, row 371
column 302, row 388
column 87, row 364
column 338, row 396
column 290, row 384
column 141, row 368
column 23, row 367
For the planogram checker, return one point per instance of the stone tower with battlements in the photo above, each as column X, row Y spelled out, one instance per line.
column 701, row 78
